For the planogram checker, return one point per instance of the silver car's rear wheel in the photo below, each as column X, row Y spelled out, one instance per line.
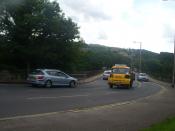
column 48, row 84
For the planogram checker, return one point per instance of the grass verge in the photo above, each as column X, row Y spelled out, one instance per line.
column 166, row 125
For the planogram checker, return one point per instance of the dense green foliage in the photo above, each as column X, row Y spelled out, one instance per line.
column 95, row 57
column 157, row 65
column 37, row 34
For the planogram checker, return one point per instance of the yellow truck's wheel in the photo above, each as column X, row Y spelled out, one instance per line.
column 110, row 86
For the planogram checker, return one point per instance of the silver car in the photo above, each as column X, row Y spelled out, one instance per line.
column 142, row 77
column 106, row 74
column 51, row 77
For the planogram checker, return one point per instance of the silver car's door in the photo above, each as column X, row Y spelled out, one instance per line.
column 53, row 77
column 62, row 78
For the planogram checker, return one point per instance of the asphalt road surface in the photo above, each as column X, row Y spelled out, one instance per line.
column 18, row 102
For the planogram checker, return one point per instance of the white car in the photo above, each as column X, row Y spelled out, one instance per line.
column 142, row 77
column 106, row 74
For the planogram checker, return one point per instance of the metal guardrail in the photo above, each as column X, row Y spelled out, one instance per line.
column 7, row 77
column 85, row 74
column 79, row 76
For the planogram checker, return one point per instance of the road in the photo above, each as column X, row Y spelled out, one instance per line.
column 17, row 100
column 24, row 103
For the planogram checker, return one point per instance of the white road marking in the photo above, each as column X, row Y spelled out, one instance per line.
column 37, row 98
column 47, row 97
column 67, row 111
column 109, row 93
column 138, row 84
column 68, row 96
column 74, row 96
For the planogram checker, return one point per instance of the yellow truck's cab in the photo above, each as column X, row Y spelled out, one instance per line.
column 121, row 76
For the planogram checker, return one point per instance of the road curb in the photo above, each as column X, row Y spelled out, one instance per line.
column 90, row 79
column 165, row 84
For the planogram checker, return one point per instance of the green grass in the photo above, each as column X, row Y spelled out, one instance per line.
column 167, row 125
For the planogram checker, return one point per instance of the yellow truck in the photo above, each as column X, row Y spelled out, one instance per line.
column 121, row 75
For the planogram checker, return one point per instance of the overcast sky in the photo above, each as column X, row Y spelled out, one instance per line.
column 117, row 23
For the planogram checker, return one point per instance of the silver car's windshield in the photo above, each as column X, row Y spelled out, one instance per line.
column 142, row 74
column 107, row 72
column 37, row 72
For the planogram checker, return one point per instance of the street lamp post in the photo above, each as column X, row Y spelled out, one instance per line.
column 140, row 56
column 140, row 60
column 173, row 78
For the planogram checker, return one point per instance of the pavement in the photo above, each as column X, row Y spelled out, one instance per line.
column 125, row 116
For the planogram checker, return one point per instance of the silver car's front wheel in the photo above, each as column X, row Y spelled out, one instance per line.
column 48, row 84
column 72, row 84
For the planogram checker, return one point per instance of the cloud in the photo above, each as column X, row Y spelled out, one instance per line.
column 102, row 36
column 86, row 9
column 118, row 23
column 168, row 31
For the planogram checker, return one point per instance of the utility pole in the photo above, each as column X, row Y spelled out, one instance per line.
column 173, row 75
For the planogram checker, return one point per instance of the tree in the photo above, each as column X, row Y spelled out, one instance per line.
column 37, row 33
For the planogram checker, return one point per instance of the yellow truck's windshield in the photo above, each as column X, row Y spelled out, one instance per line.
column 120, row 70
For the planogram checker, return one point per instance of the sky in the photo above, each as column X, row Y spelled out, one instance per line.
column 124, row 23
